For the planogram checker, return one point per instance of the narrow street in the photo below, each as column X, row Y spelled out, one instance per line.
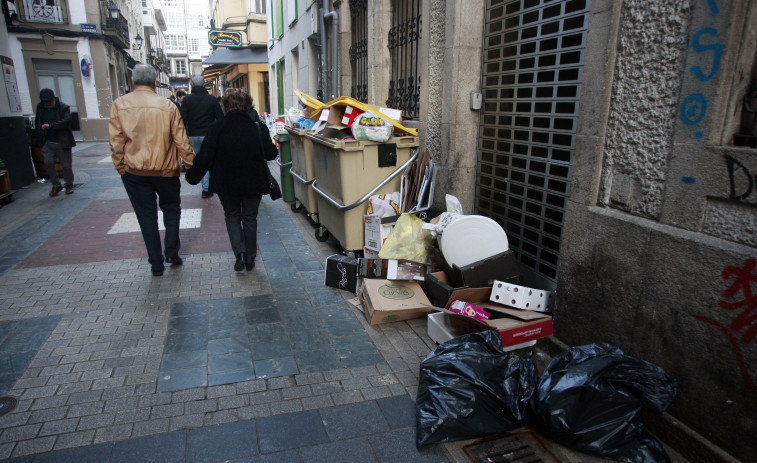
column 203, row 364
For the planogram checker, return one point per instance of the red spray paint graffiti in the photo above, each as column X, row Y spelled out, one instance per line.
column 739, row 297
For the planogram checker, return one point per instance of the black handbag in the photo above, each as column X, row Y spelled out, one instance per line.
column 273, row 186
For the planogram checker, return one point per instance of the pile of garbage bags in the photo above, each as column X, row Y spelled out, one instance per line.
column 589, row 398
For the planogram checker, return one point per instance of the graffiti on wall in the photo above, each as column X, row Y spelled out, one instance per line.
column 739, row 299
column 694, row 106
column 737, row 169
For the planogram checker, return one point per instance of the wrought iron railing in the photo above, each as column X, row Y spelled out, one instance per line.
column 359, row 49
column 117, row 29
column 42, row 11
column 404, row 39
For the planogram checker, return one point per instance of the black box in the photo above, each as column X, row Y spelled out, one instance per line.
column 341, row 272
column 502, row 267
column 438, row 288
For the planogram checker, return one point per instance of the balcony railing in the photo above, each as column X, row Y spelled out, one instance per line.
column 42, row 11
column 158, row 59
column 116, row 29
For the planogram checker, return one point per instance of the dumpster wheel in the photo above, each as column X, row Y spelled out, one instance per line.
column 296, row 206
column 321, row 234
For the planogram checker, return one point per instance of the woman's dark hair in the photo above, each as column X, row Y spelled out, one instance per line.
column 236, row 99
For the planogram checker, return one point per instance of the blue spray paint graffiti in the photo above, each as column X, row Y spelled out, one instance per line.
column 694, row 106
column 698, row 47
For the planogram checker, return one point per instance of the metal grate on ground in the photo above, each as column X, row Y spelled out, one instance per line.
column 519, row 447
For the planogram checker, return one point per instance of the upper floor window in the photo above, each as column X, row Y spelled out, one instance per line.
column 181, row 67
column 257, row 6
column 194, row 45
column 40, row 11
column 175, row 20
column 175, row 42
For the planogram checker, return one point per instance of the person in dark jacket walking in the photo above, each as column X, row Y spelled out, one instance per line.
column 53, row 125
column 199, row 109
column 235, row 151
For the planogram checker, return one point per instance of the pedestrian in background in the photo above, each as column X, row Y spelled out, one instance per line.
column 200, row 109
column 180, row 94
column 235, row 151
column 148, row 139
column 53, row 125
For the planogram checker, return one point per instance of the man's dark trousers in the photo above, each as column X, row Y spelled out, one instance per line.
column 142, row 191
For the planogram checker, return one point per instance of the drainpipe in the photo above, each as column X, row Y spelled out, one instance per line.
column 334, row 51
column 323, row 50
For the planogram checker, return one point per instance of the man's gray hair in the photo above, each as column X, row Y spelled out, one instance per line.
column 144, row 74
column 198, row 81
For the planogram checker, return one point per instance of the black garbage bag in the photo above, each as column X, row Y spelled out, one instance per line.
column 590, row 399
column 469, row 387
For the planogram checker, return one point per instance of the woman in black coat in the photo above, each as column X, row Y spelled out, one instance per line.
column 235, row 151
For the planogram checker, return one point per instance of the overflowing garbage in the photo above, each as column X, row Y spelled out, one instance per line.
column 366, row 182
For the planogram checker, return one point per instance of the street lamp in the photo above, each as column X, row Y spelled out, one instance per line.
column 113, row 11
column 138, row 42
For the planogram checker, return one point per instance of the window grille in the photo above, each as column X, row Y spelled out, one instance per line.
column 531, row 82
column 359, row 49
column 404, row 38
column 43, row 11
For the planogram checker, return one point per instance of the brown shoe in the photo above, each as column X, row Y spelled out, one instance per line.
column 56, row 189
column 69, row 189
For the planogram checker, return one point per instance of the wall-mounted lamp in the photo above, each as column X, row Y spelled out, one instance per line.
column 138, row 40
column 113, row 11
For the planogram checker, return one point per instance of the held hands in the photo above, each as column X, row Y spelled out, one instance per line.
column 45, row 126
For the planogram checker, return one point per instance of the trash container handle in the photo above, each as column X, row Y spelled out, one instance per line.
column 342, row 207
column 280, row 164
column 298, row 177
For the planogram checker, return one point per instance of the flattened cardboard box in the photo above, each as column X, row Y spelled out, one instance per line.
column 514, row 326
column 386, row 301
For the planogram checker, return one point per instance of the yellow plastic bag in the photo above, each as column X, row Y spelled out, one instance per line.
column 408, row 240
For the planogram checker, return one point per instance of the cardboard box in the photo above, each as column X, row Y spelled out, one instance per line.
column 387, row 301
column 341, row 272
column 438, row 288
column 377, row 230
column 390, row 269
column 370, row 253
column 350, row 114
column 442, row 327
column 513, row 325
column 502, row 267
column 522, row 297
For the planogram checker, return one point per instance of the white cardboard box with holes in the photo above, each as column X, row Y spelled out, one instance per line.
column 522, row 297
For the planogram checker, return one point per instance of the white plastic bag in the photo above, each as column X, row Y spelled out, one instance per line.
column 385, row 205
column 369, row 126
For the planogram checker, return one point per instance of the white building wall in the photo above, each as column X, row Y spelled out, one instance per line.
column 88, row 83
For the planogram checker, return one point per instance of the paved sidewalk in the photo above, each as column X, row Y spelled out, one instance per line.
column 203, row 364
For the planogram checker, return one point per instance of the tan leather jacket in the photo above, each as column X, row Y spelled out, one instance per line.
column 147, row 135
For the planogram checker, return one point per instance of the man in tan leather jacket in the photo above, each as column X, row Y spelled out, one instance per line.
column 147, row 139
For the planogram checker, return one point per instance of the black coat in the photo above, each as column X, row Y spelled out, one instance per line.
column 199, row 109
column 61, row 126
column 231, row 151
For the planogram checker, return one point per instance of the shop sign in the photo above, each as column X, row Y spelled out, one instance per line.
column 225, row 38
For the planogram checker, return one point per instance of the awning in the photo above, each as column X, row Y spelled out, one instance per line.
column 238, row 56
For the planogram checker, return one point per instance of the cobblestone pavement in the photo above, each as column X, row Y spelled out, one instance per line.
column 203, row 364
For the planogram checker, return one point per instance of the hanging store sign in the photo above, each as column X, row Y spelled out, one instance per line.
column 231, row 39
